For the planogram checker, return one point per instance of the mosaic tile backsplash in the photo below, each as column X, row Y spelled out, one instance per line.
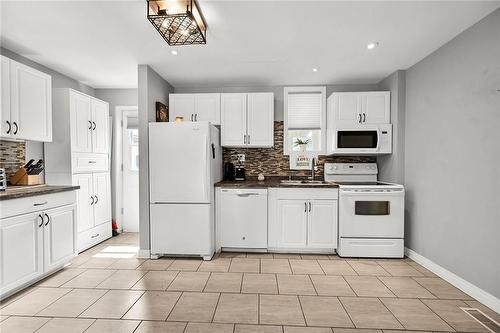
column 272, row 162
column 12, row 156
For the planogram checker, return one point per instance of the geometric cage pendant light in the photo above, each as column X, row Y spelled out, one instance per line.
column 179, row 22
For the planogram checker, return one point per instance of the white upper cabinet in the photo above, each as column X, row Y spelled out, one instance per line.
column 359, row 108
column 27, row 109
column 100, row 124
column 247, row 120
column 195, row 107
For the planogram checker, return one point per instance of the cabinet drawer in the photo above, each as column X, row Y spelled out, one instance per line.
column 87, row 162
column 37, row 203
column 93, row 236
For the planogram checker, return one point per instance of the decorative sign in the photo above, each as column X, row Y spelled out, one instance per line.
column 301, row 160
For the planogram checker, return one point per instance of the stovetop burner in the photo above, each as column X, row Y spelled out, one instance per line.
column 361, row 183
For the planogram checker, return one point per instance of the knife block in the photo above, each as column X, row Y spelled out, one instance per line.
column 22, row 178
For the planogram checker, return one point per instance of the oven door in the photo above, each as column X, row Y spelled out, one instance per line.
column 356, row 141
column 376, row 213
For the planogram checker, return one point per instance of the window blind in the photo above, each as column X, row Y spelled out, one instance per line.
column 304, row 110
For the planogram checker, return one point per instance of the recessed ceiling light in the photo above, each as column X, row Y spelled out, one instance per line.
column 174, row 52
column 315, row 69
column 371, row 46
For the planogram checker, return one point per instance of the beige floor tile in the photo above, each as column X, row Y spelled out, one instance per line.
column 61, row 277
column 22, row 324
column 286, row 256
column 89, row 279
column 259, row 284
column 66, row 325
column 215, row 265
column 421, row 269
column 153, row 305
column 189, row 281
column 113, row 326
column 369, row 313
column 224, row 282
column 336, row 267
column 365, row 267
column 73, row 303
column 441, row 288
column 324, row 311
column 240, row 328
column 245, row 265
column 405, row 331
column 368, row 286
column 113, row 305
column 259, row 255
column 2, row 318
column 198, row 307
column 156, row 265
column 280, row 310
column 414, row 315
column 232, row 255
column 34, row 302
column 98, row 263
column 450, row 311
column 357, row 330
column 307, row 256
column 237, row 308
column 492, row 314
column 326, row 285
column 160, row 327
column 121, row 279
column 156, row 280
column 190, row 265
column 208, row 328
column 289, row 284
column 405, row 287
column 399, row 268
column 16, row 296
column 275, row 266
column 292, row 329
column 305, row 267
column 127, row 263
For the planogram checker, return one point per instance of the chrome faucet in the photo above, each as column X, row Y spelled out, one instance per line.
column 314, row 167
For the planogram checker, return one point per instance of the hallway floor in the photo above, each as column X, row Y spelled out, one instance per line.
column 107, row 289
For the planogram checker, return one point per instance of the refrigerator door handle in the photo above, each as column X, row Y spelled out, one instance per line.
column 213, row 151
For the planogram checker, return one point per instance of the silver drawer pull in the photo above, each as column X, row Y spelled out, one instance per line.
column 94, row 236
column 92, row 162
column 247, row 194
column 40, row 203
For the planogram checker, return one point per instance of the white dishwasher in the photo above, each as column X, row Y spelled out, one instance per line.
column 243, row 218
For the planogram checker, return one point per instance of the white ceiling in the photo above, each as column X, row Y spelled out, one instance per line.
column 100, row 43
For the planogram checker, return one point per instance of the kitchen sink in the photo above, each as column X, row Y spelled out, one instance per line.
column 304, row 182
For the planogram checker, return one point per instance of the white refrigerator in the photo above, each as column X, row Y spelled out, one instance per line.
column 185, row 160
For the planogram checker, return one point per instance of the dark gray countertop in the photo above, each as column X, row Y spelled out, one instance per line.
column 268, row 182
column 16, row 192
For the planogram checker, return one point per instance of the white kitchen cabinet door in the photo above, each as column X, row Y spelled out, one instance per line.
column 233, row 120
column 322, row 224
column 346, row 108
column 81, row 123
column 30, row 103
column 21, row 250
column 243, row 218
column 102, row 196
column 376, row 107
column 84, row 200
column 59, row 236
column 207, row 108
column 260, row 127
column 100, row 125
column 292, row 223
column 5, row 121
column 181, row 105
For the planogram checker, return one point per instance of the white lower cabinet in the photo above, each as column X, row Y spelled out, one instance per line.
column 303, row 219
column 36, row 244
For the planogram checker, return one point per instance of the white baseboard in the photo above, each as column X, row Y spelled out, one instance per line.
column 144, row 254
column 472, row 290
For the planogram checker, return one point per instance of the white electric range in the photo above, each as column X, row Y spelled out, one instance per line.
column 371, row 213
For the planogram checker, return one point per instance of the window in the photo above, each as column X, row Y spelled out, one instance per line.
column 305, row 119
column 133, row 144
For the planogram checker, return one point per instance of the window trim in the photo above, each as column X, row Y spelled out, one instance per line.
column 306, row 89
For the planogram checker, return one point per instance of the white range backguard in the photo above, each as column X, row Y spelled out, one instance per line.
column 185, row 160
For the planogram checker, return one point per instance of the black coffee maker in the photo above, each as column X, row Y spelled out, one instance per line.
column 229, row 171
column 239, row 172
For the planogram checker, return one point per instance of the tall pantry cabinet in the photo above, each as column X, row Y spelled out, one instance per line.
column 79, row 154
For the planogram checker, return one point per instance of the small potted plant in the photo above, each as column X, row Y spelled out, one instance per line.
column 301, row 143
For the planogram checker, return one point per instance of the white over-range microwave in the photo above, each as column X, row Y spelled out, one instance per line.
column 366, row 140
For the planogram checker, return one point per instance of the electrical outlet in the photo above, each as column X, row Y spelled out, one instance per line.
column 241, row 157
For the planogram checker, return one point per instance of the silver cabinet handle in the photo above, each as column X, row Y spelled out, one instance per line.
column 305, row 207
column 364, row 117
column 41, row 219
column 10, row 127
column 359, row 121
column 90, row 125
column 246, row 195
column 92, row 197
column 40, row 203
column 92, row 162
column 248, row 139
column 96, row 199
column 309, row 206
column 93, row 128
column 195, row 117
column 191, row 117
column 94, row 236
column 48, row 219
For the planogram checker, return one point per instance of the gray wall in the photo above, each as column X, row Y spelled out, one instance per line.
column 117, row 97
column 452, row 155
column 152, row 88
column 391, row 167
column 277, row 90
column 35, row 149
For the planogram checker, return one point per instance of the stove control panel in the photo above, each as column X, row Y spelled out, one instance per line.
column 351, row 169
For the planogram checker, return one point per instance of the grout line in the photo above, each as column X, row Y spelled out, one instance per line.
column 314, row 287
column 385, row 306
column 348, row 314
